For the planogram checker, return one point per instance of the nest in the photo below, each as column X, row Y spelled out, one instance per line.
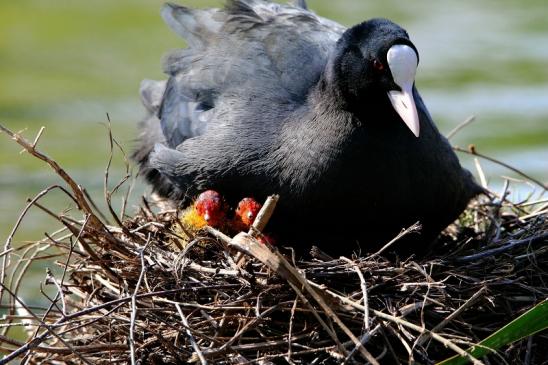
column 146, row 290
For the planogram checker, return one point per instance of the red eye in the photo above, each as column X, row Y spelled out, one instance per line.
column 378, row 65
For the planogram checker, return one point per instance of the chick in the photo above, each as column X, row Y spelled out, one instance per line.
column 245, row 214
column 208, row 209
column 212, row 207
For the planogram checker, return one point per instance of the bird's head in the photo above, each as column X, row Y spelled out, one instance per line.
column 247, row 211
column 374, row 61
column 211, row 207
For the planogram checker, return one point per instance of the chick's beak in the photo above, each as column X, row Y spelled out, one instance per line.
column 403, row 62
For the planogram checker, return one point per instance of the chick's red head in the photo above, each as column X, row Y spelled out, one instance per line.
column 247, row 211
column 210, row 206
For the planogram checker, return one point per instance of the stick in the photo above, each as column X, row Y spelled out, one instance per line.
column 434, row 335
column 459, row 127
column 423, row 338
column 413, row 228
column 404, row 323
column 280, row 265
column 134, row 303
column 49, row 276
column 193, row 342
column 34, row 343
column 494, row 251
column 265, row 213
column 77, row 190
column 363, row 286
column 472, row 151
column 48, row 328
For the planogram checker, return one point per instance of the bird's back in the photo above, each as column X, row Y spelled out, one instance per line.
column 251, row 49
column 243, row 61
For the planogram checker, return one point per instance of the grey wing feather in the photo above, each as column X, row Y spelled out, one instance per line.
column 196, row 26
column 247, row 44
column 151, row 94
column 182, row 116
column 301, row 4
column 252, row 51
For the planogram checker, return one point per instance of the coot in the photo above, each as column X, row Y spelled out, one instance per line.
column 271, row 98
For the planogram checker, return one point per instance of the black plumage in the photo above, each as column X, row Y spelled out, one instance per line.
column 271, row 98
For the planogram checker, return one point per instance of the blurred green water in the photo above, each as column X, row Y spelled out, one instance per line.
column 66, row 64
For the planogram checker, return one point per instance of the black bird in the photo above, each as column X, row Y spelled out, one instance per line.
column 271, row 98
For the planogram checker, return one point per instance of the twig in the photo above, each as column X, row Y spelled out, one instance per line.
column 529, row 352
column 320, row 320
column 413, row 228
column 193, row 342
column 532, row 215
column 265, row 359
column 278, row 263
column 218, row 234
column 459, row 127
column 290, row 329
column 65, row 266
column 529, row 203
column 265, row 213
column 405, row 344
column 363, row 340
column 363, row 286
column 472, row 151
column 60, row 294
column 423, row 338
column 434, row 335
column 404, row 323
column 481, row 174
column 65, row 351
column 48, row 328
column 389, row 344
column 254, row 346
column 494, row 251
column 32, row 344
column 6, row 252
column 37, row 138
column 248, row 325
column 94, row 206
column 134, row 302
column 125, row 199
column 7, row 245
column 21, row 267
column 76, row 189
column 108, row 194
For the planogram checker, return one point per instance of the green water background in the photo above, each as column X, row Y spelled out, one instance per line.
column 66, row 64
